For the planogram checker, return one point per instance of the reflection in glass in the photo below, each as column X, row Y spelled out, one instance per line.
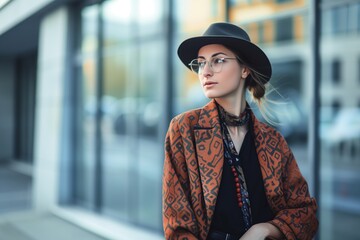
column 189, row 93
column 131, row 156
column 150, row 159
column 85, row 157
column 116, row 61
column 133, row 62
column 340, row 122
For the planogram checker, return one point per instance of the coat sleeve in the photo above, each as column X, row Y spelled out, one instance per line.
column 179, row 220
column 296, row 220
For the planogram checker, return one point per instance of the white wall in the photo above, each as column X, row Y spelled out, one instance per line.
column 7, row 111
column 48, row 115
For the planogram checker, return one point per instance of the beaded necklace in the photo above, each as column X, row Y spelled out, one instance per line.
column 234, row 161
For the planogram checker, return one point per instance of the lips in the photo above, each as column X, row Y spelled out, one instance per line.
column 209, row 83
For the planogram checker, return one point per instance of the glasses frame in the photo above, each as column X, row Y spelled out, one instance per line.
column 210, row 63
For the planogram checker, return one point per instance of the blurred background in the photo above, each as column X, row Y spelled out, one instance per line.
column 87, row 90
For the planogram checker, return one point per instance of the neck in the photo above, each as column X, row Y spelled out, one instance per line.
column 234, row 105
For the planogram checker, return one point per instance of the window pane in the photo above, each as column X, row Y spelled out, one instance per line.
column 283, row 1
column 284, row 29
column 340, row 18
column 150, row 16
column 132, row 153
column 336, row 70
column 150, row 143
column 188, row 93
column 340, row 126
column 85, row 157
column 118, row 109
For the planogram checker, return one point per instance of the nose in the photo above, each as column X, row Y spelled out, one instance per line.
column 207, row 71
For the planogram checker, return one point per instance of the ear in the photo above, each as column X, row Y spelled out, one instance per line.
column 245, row 71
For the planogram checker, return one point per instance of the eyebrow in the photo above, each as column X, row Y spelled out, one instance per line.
column 214, row 55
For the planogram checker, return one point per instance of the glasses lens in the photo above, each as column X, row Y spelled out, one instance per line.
column 194, row 65
column 216, row 64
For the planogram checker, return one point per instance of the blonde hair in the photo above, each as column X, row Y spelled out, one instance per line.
column 259, row 89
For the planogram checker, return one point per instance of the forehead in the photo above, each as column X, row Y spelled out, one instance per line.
column 208, row 50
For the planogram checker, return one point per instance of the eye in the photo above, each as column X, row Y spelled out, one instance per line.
column 201, row 63
column 218, row 60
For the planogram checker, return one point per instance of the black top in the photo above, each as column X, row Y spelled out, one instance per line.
column 228, row 215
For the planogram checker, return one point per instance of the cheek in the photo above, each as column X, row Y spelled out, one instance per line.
column 232, row 81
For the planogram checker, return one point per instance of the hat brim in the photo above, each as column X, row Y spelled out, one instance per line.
column 247, row 51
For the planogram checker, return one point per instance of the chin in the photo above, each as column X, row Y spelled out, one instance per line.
column 210, row 94
column 213, row 95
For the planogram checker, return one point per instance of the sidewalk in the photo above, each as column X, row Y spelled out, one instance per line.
column 40, row 226
column 19, row 222
column 15, row 191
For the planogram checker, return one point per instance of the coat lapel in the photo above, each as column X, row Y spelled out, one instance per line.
column 210, row 154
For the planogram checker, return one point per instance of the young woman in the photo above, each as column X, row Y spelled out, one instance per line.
column 227, row 175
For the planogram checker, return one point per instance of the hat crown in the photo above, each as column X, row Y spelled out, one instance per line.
column 226, row 30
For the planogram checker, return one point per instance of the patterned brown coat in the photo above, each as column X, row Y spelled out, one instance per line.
column 192, row 174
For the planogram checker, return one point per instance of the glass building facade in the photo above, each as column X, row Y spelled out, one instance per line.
column 125, row 83
column 119, row 108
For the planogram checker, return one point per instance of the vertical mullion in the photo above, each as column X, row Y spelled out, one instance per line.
column 169, row 63
column 227, row 10
column 98, row 117
column 314, row 141
column 134, row 125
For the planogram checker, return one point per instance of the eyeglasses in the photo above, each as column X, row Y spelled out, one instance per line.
column 197, row 65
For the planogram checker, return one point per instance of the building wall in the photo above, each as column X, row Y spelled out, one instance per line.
column 7, row 111
column 48, row 120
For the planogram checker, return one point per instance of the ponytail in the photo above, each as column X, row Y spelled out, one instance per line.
column 257, row 84
column 258, row 92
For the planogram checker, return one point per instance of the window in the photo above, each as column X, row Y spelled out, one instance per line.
column 340, row 19
column 353, row 18
column 283, row 1
column 336, row 71
column 238, row 2
column 326, row 23
column 261, row 34
column 119, row 112
column 340, row 135
column 284, row 29
column 335, row 107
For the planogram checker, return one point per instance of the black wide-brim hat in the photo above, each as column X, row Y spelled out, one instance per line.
column 232, row 37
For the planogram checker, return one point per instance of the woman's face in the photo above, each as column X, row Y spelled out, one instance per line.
column 227, row 82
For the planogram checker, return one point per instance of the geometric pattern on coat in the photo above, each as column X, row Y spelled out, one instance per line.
column 194, row 156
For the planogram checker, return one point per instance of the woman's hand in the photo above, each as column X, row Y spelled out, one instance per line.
column 262, row 231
